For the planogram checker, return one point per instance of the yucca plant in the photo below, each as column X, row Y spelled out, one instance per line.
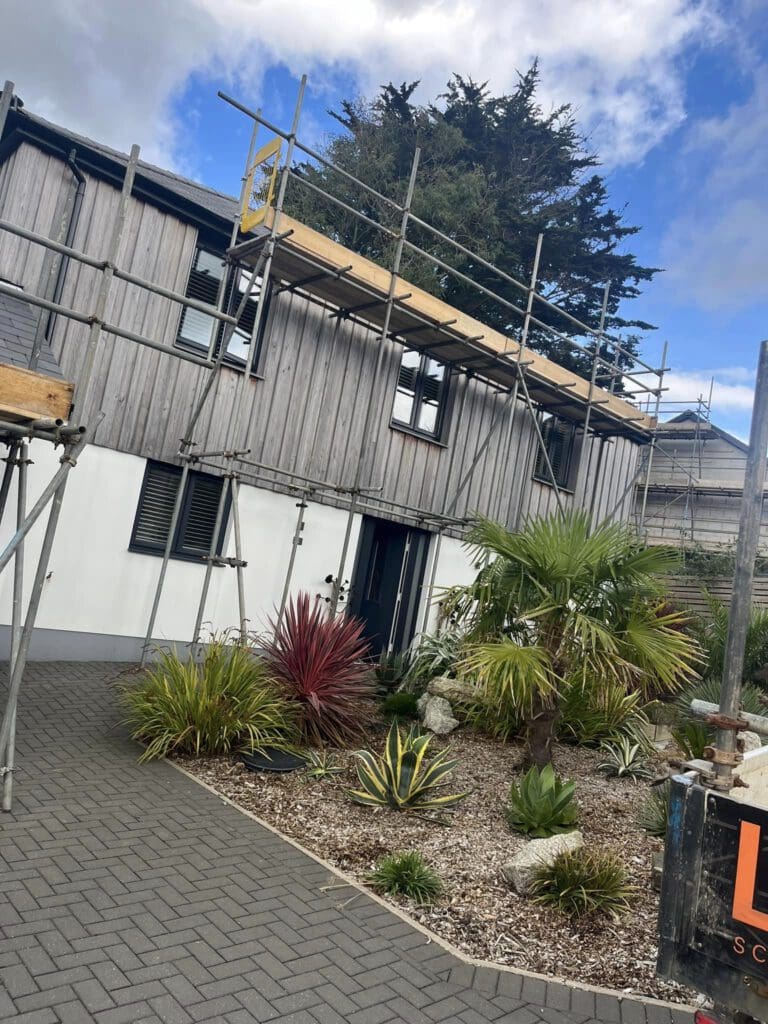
column 713, row 633
column 226, row 702
column 563, row 599
column 401, row 778
column 542, row 805
column 583, row 882
column 691, row 737
column 407, row 874
column 434, row 654
column 390, row 672
column 654, row 811
column 594, row 712
column 624, row 760
column 319, row 660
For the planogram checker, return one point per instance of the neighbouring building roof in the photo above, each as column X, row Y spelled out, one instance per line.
column 18, row 325
column 692, row 423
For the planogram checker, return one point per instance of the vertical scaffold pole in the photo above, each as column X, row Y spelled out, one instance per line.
column 301, row 505
column 582, row 483
column 18, row 586
column 746, row 551
column 211, row 556
column 652, row 447
column 369, row 411
column 5, row 104
column 235, row 488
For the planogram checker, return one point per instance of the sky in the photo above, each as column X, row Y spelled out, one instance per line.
column 672, row 95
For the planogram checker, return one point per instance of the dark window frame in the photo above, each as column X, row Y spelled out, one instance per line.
column 178, row 550
column 232, row 299
column 558, row 430
column 410, row 426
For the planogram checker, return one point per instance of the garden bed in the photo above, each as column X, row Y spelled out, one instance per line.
column 478, row 913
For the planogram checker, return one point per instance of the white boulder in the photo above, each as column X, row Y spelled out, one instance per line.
column 520, row 870
column 437, row 716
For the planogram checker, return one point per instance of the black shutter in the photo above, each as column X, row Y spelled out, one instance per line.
column 155, row 511
column 558, row 437
column 198, row 521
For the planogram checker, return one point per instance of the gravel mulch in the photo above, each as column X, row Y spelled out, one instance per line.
column 479, row 912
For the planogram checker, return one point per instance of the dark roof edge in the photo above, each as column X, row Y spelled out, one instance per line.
column 109, row 165
column 689, row 416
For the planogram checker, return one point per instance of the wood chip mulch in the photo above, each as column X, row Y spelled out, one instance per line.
column 479, row 913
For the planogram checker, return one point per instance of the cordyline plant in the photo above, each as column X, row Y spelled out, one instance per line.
column 561, row 601
column 319, row 660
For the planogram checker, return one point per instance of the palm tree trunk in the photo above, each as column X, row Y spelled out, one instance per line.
column 540, row 734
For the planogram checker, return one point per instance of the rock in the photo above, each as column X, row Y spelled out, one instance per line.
column 520, row 870
column 437, row 716
column 452, row 690
column 421, row 703
column 751, row 741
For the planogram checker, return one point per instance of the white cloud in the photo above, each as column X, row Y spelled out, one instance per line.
column 112, row 69
column 732, row 391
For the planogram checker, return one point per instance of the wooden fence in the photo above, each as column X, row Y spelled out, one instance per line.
column 689, row 590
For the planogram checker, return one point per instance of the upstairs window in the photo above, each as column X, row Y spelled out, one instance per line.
column 421, row 394
column 197, row 516
column 195, row 328
column 560, row 442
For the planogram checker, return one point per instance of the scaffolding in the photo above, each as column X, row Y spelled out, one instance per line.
column 277, row 251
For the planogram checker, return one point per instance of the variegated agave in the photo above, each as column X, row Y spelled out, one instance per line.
column 401, row 779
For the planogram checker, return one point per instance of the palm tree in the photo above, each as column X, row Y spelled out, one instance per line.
column 559, row 602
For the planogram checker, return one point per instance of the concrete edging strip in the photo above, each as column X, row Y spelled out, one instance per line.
column 430, row 935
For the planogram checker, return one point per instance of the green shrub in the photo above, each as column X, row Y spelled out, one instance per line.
column 501, row 720
column 226, row 702
column 624, row 759
column 582, row 882
column 691, row 737
column 653, row 813
column 542, row 805
column 435, row 655
column 407, row 874
column 391, row 672
column 591, row 715
column 401, row 779
column 400, row 705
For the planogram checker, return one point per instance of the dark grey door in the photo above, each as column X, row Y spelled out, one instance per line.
column 387, row 581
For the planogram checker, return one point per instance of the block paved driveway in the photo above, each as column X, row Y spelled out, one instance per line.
column 130, row 894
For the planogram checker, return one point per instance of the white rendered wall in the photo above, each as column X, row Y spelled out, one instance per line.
column 96, row 585
column 454, row 568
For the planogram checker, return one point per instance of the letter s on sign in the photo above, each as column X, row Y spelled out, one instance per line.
column 738, row 946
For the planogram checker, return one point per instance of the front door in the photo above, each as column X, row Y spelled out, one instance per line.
column 387, row 580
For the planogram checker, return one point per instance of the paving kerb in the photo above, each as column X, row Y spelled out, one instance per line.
column 430, row 935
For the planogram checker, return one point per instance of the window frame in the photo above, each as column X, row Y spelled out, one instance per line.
column 177, row 552
column 437, row 435
column 566, row 472
column 232, row 273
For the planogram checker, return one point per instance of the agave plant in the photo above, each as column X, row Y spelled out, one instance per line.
column 401, row 778
column 541, row 805
column 624, row 759
column 319, row 660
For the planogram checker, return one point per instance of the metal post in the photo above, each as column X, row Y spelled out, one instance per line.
column 19, row 664
column 211, row 556
column 746, row 551
column 164, row 565
column 343, row 557
column 18, row 586
column 235, row 487
column 653, row 440
column 301, row 505
column 5, row 104
column 582, row 482
column 5, row 486
column 432, row 579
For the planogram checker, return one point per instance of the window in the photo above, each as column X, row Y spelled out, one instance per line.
column 197, row 516
column 421, row 394
column 560, row 441
column 205, row 277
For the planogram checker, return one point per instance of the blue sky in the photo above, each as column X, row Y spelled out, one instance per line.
column 673, row 95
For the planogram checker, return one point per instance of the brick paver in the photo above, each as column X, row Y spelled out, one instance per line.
column 131, row 895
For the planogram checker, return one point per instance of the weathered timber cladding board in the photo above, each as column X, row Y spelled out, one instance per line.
column 689, row 591
column 318, row 373
column 25, row 395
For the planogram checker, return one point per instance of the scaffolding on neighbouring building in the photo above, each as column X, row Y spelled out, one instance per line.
column 283, row 249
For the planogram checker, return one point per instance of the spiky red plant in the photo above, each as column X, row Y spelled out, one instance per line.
column 319, row 660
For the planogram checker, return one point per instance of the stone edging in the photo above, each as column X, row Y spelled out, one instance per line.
column 432, row 936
